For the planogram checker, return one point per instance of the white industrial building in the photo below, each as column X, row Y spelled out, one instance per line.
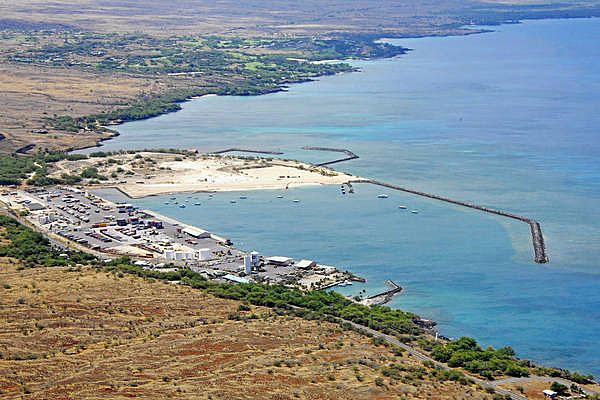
column 204, row 254
column 196, row 233
column 278, row 260
column 306, row 264
column 183, row 255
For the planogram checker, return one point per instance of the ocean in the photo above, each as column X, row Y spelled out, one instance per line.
column 507, row 119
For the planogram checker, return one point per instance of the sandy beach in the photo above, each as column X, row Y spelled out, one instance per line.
column 146, row 174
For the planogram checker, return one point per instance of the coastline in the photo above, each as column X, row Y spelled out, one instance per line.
column 148, row 173
column 467, row 31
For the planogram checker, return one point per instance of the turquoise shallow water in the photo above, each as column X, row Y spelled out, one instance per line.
column 507, row 119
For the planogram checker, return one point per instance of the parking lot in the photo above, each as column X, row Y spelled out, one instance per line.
column 150, row 239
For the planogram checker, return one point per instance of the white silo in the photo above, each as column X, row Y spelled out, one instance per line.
column 248, row 263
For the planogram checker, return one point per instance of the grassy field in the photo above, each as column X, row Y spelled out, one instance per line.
column 84, row 333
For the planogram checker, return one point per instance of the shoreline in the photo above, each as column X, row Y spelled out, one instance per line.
column 154, row 173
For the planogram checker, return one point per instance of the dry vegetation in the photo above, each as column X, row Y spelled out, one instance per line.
column 82, row 333
column 276, row 16
column 30, row 94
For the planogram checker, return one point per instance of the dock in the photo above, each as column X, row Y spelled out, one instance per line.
column 539, row 247
column 349, row 154
column 383, row 297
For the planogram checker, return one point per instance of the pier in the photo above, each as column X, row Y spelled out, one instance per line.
column 537, row 237
column 350, row 155
column 254, row 151
column 383, row 297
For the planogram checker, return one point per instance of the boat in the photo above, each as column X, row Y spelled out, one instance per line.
column 402, row 207
column 296, row 201
column 197, row 204
column 182, row 206
column 173, row 198
column 233, row 201
column 345, row 283
column 414, row 211
column 243, row 197
column 280, row 197
column 167, row 203
column 382, row 196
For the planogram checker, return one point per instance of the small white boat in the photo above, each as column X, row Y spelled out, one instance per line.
column 296, row 201
column 345, row 283
column 414, row 211
column 197, row 204
column 182, row 206
column 243, row 197
column 173, row 198
column 280, row 197
column 167, row 203
column 382, row 196
column 402, row 207
column 232, row 201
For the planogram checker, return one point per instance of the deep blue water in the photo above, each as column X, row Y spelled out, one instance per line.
column 507, row 119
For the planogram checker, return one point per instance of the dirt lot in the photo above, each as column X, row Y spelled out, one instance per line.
column 85, row 334
column 30, row 94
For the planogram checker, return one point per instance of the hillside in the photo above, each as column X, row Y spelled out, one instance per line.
column 82, row 333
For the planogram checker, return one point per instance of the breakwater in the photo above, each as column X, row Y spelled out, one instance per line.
column 539, row 247
column 383, row 297
column 350, row 155
column 236, row 150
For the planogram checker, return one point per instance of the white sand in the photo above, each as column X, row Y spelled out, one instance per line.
column 168, row 173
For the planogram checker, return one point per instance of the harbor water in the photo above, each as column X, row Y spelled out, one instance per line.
column 506, row 119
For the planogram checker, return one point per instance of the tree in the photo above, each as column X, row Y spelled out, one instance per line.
column 559, row 388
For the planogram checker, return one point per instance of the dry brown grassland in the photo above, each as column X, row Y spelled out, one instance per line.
column 87, row 334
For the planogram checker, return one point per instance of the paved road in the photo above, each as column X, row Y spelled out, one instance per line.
column 491, row 384
column 423, row 357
